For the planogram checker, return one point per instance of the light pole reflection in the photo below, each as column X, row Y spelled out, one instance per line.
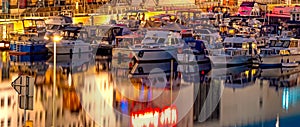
column 56, row 39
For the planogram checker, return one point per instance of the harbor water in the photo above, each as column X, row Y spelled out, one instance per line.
column 96, row 91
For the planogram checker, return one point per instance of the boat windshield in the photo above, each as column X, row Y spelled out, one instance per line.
column 52, row 27
column 69, row 35
column 125, row 42
column 150, row 40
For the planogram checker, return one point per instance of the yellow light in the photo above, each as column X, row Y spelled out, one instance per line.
column 244, row 46
column 1, row 44
column 253, row 45
column 6, row 45
column 46, row 38
column 231, row 31
column 57, row 38
column 253, row 71
column 247, row 73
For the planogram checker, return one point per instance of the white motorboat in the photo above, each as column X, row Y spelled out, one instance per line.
column 157, row 46
column 236, row 51
column 280, row 50
column 70, row 41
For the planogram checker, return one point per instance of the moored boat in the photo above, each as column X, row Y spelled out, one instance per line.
column 70, row 41
column 236, row 51
column 280, row 50
column 157, row 46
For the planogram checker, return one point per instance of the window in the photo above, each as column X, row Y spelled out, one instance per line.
column 294, row 43
column 286, row 44
column 93, row 33
column 2, row 102
column 161, row 40
column 294, row 17
column 9, row 101
column 173, row 41
column 2, row 123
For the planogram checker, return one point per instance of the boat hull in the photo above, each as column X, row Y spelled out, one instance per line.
column 28, row 48
column 277, row 60
column 229, row 60
column 148, row 55
column 70, row 49
column 192, row 58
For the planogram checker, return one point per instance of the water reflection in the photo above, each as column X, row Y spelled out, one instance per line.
column 92, row 91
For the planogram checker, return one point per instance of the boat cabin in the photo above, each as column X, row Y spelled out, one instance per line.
column 187, row 15
column 128, row 40
column 229, row 52
column 209, row 35
column 162, row 38
column 68, row 33
column 58, row 22
column 73, row 33
column 34, row 25
column 106, row 34
column 241, row 43
column 134, row 15
column 197, row 46
column 251, row 8
column 284, row 42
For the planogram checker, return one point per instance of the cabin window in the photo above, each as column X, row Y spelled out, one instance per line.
column 228, row 52
column 281, row 11
column 237, row 45
column 273, row 42
column 177, row 40
column 72, row 34
column 173, row 41
column 294, row 44
column 207, row 38
column 226, row 45
column 286, row 44
column 279, row 44
column 161, row 40
column 93, row 33
column 244, row 52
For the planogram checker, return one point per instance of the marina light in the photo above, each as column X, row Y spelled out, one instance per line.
column 57, row 38
column 46, row 38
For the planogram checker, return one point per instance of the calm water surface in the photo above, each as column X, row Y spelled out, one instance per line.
column 94, row 91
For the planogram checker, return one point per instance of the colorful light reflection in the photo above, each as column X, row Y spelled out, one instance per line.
column 154, row 117
column 290, row 97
